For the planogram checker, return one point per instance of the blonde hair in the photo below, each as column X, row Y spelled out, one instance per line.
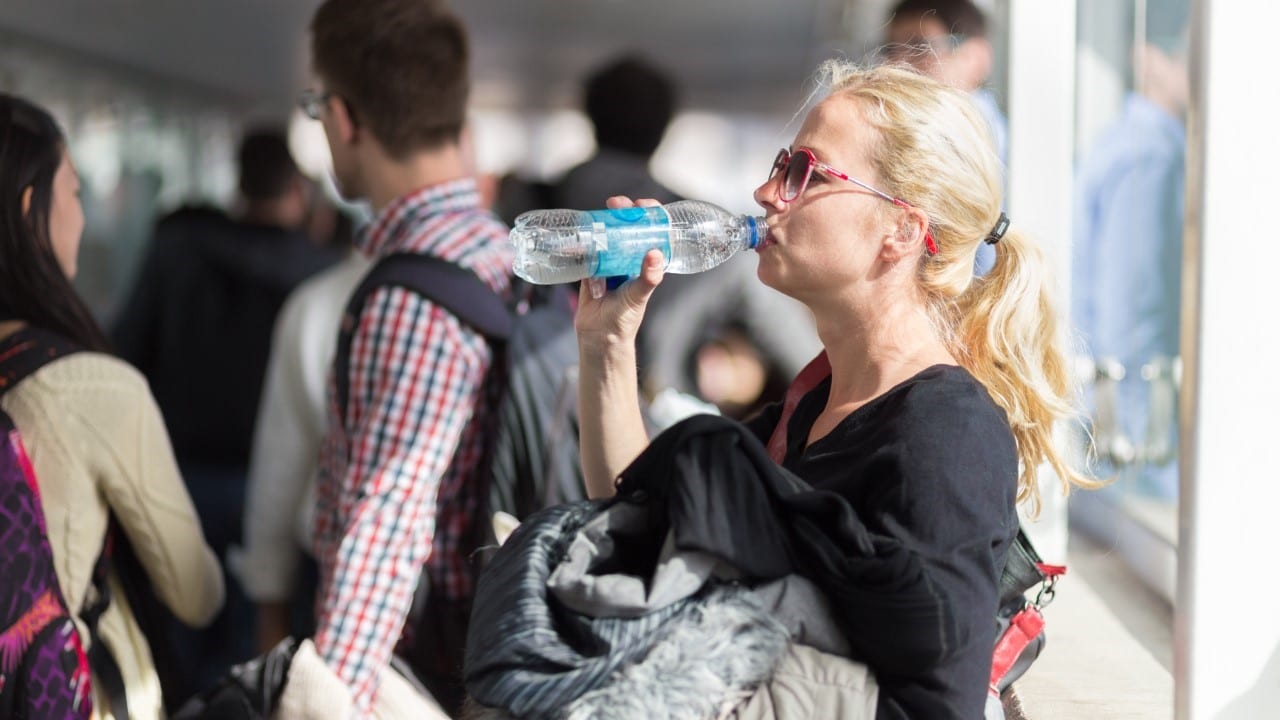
column 934, row 151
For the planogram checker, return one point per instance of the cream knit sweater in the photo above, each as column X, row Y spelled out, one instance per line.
column 97, row 441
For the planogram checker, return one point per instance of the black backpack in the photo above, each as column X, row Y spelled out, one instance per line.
column 531, row 456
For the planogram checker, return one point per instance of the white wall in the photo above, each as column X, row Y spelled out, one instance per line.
column 1041, row 102
column 1227, row 635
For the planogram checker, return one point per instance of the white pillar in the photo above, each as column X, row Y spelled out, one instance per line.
column 1227, row 634
column 1042, row 47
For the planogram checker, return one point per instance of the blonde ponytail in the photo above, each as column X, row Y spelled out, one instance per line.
column 1008, row 337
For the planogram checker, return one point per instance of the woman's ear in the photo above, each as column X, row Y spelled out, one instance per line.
column 908, row 241
column 26, row 200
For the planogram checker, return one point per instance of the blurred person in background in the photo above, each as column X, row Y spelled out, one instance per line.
column 630, row 103
column 1127, row 249
column 274, row 565
column 717, row 335
column 93, row 431
column 198, row 325
column 947, row 40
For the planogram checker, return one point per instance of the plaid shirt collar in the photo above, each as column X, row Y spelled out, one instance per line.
column 396, row 227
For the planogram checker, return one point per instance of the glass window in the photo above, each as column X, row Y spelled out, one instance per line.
column 1132, row 95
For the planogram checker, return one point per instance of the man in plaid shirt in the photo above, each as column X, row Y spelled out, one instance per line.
column 397, row 491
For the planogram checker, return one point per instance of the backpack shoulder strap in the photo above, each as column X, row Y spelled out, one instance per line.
column 26, row 351
column 458, row 290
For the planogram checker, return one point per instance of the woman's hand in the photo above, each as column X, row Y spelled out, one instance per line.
column 609, row 319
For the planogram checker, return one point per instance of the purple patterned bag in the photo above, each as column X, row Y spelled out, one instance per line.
column 43, row 669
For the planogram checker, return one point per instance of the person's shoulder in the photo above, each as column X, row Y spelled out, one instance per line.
column 950, row 427
column 1142, row 134
column 489, row 254
column 333, row 284
column 314, row 308
column 948, row 399
column 84, row 374
column 191, row 221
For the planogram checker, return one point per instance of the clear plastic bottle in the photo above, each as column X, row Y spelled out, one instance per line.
column 558, row 246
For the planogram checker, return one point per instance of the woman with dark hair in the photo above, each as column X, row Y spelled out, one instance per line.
column 93, row 432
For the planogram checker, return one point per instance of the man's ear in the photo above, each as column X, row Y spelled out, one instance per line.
column 26, row 200
column 908, row 240
column 344, row 120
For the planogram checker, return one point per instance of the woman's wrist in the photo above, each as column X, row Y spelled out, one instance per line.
column 607, row 352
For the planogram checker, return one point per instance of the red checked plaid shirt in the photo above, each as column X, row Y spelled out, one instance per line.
column 394, row 494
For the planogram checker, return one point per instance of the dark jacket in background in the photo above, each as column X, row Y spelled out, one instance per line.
column 198, row 325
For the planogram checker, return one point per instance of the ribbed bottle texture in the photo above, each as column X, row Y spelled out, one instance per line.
column 558, row 246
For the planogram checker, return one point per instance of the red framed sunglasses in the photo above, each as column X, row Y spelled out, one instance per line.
column 797, row 167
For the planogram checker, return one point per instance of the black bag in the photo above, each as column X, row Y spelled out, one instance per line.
column 249, row 691
column 1019, row 624
column 531, row 454
column 534, row 452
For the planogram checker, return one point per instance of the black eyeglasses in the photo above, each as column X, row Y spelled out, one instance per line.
column 312, row 103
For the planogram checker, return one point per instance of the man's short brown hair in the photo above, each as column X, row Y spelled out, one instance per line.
column 400, row 66
column 959, row 17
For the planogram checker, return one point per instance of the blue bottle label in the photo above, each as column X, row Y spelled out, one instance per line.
column 628, row 234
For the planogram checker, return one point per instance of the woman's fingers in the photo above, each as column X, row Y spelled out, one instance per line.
column 638, row 290
column 595, row 287
column 622, row 201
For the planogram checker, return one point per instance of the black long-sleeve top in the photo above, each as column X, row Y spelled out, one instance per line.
column 902, row 514
column 930, row 471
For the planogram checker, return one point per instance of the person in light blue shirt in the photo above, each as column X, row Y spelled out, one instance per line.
column 1127, row 249
column 947, row 40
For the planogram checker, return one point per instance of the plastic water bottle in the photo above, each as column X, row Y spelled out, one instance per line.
column 558, row 246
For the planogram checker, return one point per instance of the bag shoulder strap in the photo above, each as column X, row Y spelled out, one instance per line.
column 26, row 351
column 22, row 354
column 814, row 373
column 454, row 288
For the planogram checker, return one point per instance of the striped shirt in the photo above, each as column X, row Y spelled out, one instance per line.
column 395, row 490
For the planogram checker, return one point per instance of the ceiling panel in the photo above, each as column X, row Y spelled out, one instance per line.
column 726, row 54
